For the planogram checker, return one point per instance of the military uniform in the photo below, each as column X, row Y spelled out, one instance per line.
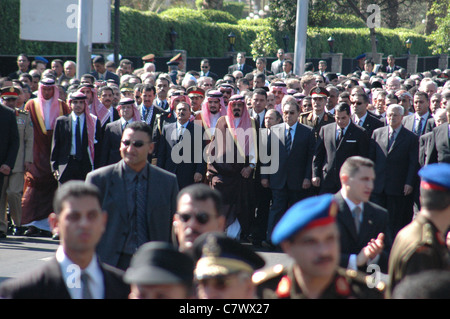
column 420, row 245
column 308, row 118
column 417, row 247
column 12, row 188
column 279, row 282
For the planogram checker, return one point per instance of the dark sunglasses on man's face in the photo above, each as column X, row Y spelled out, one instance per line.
column 137, row 143
column 202, row 217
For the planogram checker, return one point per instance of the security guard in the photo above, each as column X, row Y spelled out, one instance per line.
column 421, row 245
column 308, row 233
column 318, row 117
column 11, row 192
column 224, row 267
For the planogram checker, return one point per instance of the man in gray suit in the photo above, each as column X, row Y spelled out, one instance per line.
column 140, row 199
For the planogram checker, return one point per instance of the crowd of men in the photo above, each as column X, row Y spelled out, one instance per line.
column 170, row 176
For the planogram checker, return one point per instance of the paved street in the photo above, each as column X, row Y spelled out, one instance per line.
column 22, row 254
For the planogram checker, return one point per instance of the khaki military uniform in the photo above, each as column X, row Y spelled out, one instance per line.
column 307, row 118
column 417, row 247
column 12, row 189
column 279, row 283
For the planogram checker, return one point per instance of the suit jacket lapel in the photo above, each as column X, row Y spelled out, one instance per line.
column 346, row 217
column 118, row 191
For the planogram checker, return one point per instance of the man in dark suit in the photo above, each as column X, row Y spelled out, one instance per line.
column 395, row 151
column 113, row 133
column 363, row 226
column 101, row 73
column 140, row 198
column 240, row 65
column 181, row 148
column 106, row 96
column 76, row 142
column 361, row 116
column 259, row 102
column 418, row 121
column 291, row 179
column 337, row 142
column 75, row 272
column 206, row 70
column 440, row 142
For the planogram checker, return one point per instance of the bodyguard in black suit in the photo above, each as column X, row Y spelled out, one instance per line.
column 361, row 116
column 76, row 272
column 240, row 65
column 396, row 164
column 418, row 121
column 181, row 148
column 289, row 172
column 337, row 142
column 364, row 231
column 76, row 142
column 101, row 73
column 440, row 143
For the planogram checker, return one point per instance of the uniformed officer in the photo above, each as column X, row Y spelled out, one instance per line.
column 196, row 95
column 127, row 90
column 421, row 245
column 12, row 188
column 308, row 233
column 159, row 271
column 224, row 267
column 318, row 117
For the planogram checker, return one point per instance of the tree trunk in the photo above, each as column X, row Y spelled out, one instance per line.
column 392, row 14
column 213, row 4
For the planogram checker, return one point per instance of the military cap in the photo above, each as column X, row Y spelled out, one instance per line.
column 48, row 81
column 9, row 92
column 361, row 56
column 148, row 58
column 77, row 96
column 126, row 87
column 308, row 213
column 435, row 176
column 214, row 93
column 126, row 100
column 172, row 63
column 40, row 58
column 157, row 263
column 320, row 91
column 177, row 57
column 195, row 91
column 219, row 255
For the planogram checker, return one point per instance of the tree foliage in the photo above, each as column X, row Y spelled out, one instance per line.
column 441, row 36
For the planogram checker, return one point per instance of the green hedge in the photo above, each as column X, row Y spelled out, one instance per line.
column 205, row 35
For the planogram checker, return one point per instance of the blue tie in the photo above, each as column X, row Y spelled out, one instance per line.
column 288, row 141
column 141, row 211
column 78, row 153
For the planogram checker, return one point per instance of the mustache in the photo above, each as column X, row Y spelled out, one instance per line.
column 323, row 259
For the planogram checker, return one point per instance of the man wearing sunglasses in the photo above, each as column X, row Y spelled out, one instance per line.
column 361, row 116
column 199, row 210
column 139, row 198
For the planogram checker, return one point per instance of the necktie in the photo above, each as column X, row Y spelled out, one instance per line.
column 124, row 125
column 141, row 211
column 419, row 127
column 86, row 292
column 258, row 120
column 288, row 142
column 180, row 133
column 78, row 153
column 316, row 121
column 391, row 139
column 357, row 217
column 340, row 136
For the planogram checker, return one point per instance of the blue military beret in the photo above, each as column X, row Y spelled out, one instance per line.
column 435, row 176
column 39, row 58
column 361, row 56
column 311, row 212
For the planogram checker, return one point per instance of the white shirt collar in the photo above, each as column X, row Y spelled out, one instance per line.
column 71, row 274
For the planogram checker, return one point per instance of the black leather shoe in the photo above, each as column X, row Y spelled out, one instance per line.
column 55, row 237
column 32, row 232
column 19, row 231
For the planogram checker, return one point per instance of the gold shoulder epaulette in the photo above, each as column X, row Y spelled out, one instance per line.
column 266, row 274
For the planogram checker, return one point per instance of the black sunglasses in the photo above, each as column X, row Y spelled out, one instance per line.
column 202, row 217
column 137, row 143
